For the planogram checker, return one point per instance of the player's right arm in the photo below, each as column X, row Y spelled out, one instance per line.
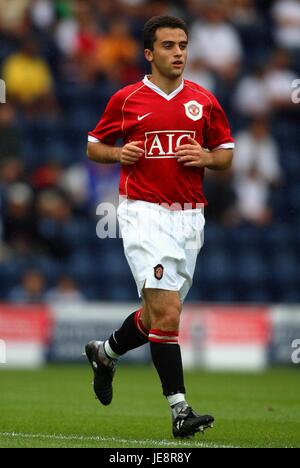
column 128, row 154
column 101, row 146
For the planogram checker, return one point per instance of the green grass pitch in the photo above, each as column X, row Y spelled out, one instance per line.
column 55, row 407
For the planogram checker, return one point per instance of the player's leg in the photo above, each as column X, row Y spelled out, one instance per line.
column 134, row 330
column 164, row 309
column 104, row 355
column 145, row 316
column 132, row 334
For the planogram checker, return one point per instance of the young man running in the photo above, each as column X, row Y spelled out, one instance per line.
column 172, row 130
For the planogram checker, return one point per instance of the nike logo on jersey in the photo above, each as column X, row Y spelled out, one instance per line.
column 141, row 117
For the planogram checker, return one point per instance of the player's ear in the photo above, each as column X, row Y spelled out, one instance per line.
column 148, row 55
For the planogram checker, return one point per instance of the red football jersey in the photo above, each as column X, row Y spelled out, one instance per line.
column 163, row 121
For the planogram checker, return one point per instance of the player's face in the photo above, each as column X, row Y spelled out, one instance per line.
column 170, row 52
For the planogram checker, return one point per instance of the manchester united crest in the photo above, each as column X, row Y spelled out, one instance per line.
column 194, row 110
column 158, row 272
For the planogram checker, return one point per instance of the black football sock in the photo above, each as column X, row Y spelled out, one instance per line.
column 132, row 334
column 166, row 357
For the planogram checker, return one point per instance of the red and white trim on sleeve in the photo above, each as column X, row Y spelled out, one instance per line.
column 164, row 337
column 225, row 146
column 92, row 139
column 139, row 324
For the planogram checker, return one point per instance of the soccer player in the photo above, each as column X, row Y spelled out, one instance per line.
column 172, row 130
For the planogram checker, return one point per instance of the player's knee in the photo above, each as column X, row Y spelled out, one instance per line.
column 145, row 318
column 165, row 318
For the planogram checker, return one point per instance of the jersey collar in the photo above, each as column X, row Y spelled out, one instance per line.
column 157, row 90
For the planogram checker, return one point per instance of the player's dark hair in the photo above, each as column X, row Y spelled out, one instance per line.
column 157, row 22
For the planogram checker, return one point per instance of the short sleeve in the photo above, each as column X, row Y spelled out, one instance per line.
column 109, row 128
column 218, row 133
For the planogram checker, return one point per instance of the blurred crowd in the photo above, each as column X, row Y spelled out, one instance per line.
column 62, row 59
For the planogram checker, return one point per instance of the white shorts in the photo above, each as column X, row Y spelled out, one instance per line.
column 161, row 245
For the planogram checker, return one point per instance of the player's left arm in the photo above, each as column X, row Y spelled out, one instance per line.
column 193, row 155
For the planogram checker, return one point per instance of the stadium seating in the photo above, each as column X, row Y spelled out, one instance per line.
column 241, row 263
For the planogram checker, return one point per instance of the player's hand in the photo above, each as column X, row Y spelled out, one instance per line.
column 192, row 154
column 131, row 152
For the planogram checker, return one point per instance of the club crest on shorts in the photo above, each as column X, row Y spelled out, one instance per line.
column 194, row 110
column 159, row 271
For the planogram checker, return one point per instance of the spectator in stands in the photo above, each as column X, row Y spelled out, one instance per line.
column 251, row 98
column 28, row 79
column 65, row 292
column 31, row 290
column 76, row 36
column 89, row 32
column 18, row 220
column 244, row 13
column 279, row 78
column 286, row 14
column 54, row 214
column 75, row 182
column 47, row 176
column 256, row 170
column 216, row 42
column 11, row 171
column 13, row 16
column 64, row 8
column 42, row 14
column 68, row 32
column 116, row 54
column 252, row 28
column 10, row 138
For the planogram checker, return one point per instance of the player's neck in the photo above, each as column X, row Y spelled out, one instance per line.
column 167, row 85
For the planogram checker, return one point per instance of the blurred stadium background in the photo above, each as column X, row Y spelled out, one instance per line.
column 61, row 60
column 61, row 286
